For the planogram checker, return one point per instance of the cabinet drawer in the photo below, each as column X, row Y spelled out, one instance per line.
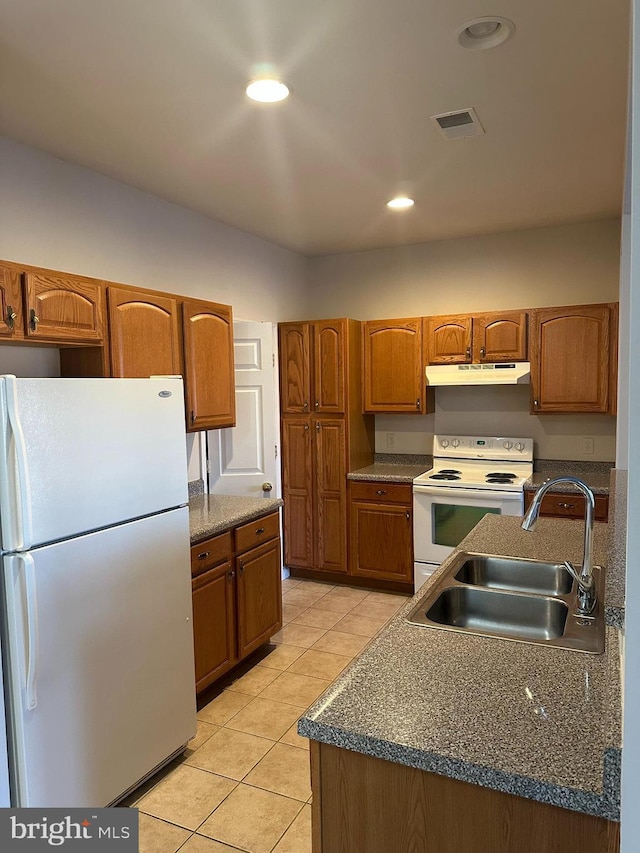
column 565, row 505
column 381, row 492
column 257, row 531
column 210, row 552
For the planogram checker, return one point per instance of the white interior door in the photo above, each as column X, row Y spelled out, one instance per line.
column 242, row 459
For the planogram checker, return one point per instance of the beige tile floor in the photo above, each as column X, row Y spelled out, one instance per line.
column 243, row 783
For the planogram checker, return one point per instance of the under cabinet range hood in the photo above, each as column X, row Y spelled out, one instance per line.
column 510, row 373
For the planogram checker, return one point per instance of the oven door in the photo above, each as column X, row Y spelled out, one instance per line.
column 443, row 516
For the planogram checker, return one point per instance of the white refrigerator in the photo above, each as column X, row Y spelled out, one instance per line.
column 97, row 642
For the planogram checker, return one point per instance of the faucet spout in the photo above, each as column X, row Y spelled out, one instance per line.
column 584, row 578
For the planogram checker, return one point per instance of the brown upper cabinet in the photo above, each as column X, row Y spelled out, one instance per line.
column 144, row 333
column 496, row 336
column 47, row 306
column 573, row 358
column 393, row 369
column 11, row 322
column 313, row 368
column 209, row 365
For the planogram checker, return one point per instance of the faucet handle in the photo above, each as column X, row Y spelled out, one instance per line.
column 572, row 570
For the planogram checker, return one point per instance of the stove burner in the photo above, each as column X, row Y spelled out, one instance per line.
column 501, row 474
column 443, row 476
column 448, row 471
column 507, row 480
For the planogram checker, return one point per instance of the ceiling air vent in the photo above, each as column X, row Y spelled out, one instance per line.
column 459, row 124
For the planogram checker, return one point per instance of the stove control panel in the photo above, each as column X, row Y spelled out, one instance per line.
column 483, row 447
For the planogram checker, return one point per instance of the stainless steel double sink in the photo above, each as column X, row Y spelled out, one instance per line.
column 514, row 599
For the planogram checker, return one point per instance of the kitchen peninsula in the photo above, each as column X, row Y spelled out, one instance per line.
column 485, row 744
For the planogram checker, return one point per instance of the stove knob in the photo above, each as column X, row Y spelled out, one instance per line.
column 455, row 442
column 507, row 445
column 519, row 446
column 444, row 442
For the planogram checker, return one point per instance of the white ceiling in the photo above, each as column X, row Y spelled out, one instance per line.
column 151, row 92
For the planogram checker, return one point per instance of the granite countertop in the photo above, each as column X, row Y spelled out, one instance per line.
column 617, row 562
column 595, row 474
column 506, row 715
column 386, row 472
column 211, row 514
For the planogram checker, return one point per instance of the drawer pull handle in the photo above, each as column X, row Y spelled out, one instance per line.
column 11, row 317
column 259, row 531
column 381, row 492
column 34, row 320
column 204, row 555
column 566, row 506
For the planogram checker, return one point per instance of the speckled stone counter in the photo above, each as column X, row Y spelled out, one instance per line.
column 211, row 514
column 383, row 472
column 595, row 474
column 509, row 716
column 617, row 562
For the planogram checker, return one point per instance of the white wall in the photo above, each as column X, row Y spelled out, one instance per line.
column 55, row 214
column 568, row 264
column 630, row 828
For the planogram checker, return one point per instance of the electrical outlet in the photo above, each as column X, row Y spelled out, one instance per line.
column 391, row 440
column 587, row 446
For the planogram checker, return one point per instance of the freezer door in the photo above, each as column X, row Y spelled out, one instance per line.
column 100, row 649
column 80, row 454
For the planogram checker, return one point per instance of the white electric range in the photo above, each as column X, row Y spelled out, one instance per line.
column 471, row 476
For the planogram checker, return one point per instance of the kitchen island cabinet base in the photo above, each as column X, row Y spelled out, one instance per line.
column 341, row 579
column 363, row 804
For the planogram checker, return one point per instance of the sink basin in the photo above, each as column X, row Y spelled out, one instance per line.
column 516, row 574
column 505, row 614
column 528, row 601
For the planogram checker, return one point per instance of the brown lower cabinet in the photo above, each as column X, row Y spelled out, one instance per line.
column 565, row 505
column 366, row 805
column 381, row 531
column 237, row 596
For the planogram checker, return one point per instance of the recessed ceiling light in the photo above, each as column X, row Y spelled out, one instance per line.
column 483, row 33
column 267, row 90
column 401, row 202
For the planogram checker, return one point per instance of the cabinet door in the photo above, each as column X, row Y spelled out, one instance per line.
column 448, row 339
column 63, row 308
column 330, row 497
column 570, row 355
column 144, row 334
column 329, row 367
column 208, row 365
column 11, row 316
column 214, row 624
column 295, row 368
column 381, row 531
column 297, row 489
column 393, row 368
column 500, row 336
column 259, row 596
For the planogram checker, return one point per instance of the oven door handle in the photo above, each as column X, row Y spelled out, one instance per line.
column 477, row 495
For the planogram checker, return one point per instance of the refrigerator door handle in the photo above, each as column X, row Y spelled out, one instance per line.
column 22, row 534
column 31, row 606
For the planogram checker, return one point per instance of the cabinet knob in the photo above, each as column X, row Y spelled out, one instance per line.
column 482, row 352
column 468, row 351
column 266, row 487
column 241, row 569
column 231, row 576
column 317, row 426
column 203, row 556
column 566, row 506
column 381, row 492
column 536, row 403
column 259, row 531
column 317, row 404
column 34, row 320
column 305, row 405
column 11, row 317
column 418, row 404
column 193, row 416
column 407, row 515
column 306, row 427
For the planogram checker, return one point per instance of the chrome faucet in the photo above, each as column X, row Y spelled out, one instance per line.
column 584, row 579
